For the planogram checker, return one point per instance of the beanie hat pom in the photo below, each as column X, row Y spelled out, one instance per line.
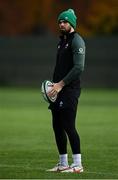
column 68, row 16
column 71, row 11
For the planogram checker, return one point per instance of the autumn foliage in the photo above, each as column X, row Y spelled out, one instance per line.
column 35, row 17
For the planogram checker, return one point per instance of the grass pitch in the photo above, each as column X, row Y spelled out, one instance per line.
column 27, row 145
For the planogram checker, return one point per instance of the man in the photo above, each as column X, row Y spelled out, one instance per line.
column 66, row 78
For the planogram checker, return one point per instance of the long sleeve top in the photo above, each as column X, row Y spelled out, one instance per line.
column 70, row 59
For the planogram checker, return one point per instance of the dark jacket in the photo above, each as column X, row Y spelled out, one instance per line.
column 70, row 60
column 69, row 66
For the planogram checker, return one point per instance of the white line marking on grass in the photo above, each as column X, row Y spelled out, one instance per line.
column 44, row 169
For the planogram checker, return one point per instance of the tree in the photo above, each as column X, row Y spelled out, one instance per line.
column 34, row 16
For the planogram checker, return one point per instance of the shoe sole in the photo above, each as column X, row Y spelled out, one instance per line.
column 74, row 171
column 58, row 170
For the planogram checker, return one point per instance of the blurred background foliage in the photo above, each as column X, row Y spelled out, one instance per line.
column 34, row 17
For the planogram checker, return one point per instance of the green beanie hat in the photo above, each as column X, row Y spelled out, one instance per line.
column 68, row 16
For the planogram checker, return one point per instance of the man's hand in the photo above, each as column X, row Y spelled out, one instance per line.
column 56, row 88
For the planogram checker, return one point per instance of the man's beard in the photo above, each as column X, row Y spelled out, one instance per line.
column 64, row 31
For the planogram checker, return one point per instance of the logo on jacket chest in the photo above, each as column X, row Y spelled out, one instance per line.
column 66, row 46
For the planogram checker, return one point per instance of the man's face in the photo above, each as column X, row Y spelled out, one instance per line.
column 64, row 26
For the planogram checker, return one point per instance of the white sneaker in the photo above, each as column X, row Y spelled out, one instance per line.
column 73, row 169
column 58, row 168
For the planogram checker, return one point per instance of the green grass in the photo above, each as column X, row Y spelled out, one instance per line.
column 27, row 145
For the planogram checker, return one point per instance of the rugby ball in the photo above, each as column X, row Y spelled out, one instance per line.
column 45, row 89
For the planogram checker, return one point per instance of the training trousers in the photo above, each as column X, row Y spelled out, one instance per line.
column 63, row 121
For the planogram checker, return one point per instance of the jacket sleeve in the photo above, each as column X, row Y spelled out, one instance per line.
column 78, row 51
